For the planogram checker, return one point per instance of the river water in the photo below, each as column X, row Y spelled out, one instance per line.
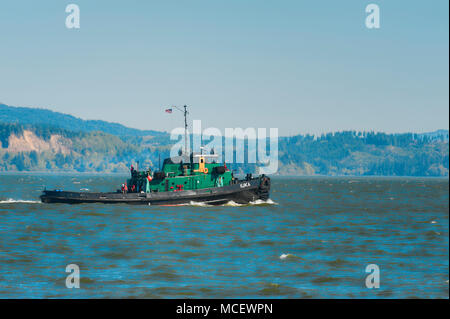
column 313, row 239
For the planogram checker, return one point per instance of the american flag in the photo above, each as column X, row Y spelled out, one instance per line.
column 168, row 110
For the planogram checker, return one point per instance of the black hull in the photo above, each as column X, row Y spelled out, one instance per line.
column 242, row 192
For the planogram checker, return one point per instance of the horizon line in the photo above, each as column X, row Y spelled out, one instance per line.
column 293, row 135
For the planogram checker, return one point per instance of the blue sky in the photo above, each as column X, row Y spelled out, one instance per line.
column 301, row 66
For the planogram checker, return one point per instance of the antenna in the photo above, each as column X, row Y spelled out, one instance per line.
column 185, row 130
column 185, row 113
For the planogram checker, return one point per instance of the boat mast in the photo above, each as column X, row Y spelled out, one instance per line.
column 185, row 113
column 185, row 130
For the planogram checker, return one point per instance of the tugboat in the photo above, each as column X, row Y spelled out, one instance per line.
column 183, row 179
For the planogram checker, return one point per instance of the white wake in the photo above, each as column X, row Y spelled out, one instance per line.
column 12, row 201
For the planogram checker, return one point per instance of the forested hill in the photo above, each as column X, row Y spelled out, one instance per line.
column 35, row 116
column 365, row 153
column 33, row 143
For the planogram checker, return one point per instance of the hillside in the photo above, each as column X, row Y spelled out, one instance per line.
column 35, row 116
column 44, row 148
column 30, row 143
column 365, row 153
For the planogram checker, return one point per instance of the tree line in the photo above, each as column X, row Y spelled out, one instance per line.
column 339, row 153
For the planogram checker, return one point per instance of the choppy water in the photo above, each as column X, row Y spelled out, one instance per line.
column 315, row 242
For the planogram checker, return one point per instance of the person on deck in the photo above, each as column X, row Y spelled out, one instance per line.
column 147, row 184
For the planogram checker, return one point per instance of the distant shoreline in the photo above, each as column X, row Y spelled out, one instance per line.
column 73, row 173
